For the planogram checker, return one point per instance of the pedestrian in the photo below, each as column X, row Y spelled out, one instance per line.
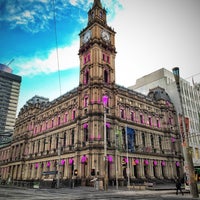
column 178, row 186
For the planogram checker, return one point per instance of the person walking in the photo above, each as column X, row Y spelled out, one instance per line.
column 178, row 186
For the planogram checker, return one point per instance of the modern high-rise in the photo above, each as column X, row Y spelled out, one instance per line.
column 190, row 95
column 9, row 93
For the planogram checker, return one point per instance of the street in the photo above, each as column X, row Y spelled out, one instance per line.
column 8, row 193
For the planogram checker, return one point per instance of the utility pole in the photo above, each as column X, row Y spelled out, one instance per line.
column 105, row 154
column 128, row 168
column 116, row 163
column 105, row 103
column 58, row 164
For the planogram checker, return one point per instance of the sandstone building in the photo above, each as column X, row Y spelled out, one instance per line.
column 65, row 137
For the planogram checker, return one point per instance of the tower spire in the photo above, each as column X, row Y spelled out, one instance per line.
column 97, row 3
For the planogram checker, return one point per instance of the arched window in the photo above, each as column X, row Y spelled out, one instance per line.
column 122, row 113
column 46, row 125
column 108, row 134
column 160, row 142
column 150, row 121
column 33, row 147
column 86, row 78
column 73, row 114
column 86, row 101
column 64, row 139
column 66, row 117
column 141, row 118
column 152, row 142
column 157, row 123
column 100, row 14
column 143, row 139
column 124, row 137
column 92, row 14
column 132, row 116
column 86, row 134
column 57, row 141
column 50, row 142
column 44, row 143
column 38, row 150
column 72, row 137
column 52, row 123
column 105, row 76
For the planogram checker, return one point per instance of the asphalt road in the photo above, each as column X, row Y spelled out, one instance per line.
column 88, row 193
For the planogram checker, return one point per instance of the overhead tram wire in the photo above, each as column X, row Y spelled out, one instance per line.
column 56, row 39
column 193, row 76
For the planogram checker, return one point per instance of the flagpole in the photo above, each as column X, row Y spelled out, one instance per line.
column 116, row 163
column 128, row 169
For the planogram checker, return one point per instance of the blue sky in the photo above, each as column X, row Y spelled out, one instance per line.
column 151, row 34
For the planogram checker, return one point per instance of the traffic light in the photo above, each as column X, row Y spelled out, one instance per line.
column 92, row 172
column 75, row 172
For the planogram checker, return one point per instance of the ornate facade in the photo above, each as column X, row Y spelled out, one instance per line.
column 65, row 137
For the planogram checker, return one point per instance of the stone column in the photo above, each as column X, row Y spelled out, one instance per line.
column 31, row 171
column 53, row 143
column 14, row 153
column 171, row 169
column 39, row 176
column 141, row 168
column 159, row 170
column 19, row 174
column 65, row 171
column 25, row 171
column 151, row 166
column 14, row 172
column 41, row 146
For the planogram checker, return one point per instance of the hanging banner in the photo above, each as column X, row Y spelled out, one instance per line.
column 119, row 139
column 130, row 138
column 186, row 121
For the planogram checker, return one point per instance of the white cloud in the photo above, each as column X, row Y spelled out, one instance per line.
column 67, row 58
column 73, row 2
column 36, row 15
column 150, row 35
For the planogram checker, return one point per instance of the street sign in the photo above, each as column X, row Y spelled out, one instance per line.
column 49, row 173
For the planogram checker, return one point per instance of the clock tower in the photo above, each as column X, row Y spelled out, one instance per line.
column 97, row 49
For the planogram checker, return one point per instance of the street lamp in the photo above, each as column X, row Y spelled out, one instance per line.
column 59, row 161
column 189, row 167
column 105, row 103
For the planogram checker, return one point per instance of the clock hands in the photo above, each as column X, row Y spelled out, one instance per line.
column 105, row 36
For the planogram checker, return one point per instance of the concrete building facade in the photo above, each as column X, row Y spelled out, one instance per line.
column 9, row 94
column 97, row 129
column 190, row 98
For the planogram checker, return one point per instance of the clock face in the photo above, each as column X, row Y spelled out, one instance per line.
column 105, row 35
column 87, row 36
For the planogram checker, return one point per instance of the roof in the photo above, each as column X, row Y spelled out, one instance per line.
column 158, row 94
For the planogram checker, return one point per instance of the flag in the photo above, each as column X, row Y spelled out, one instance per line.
column 119, row 139
column 130, row 138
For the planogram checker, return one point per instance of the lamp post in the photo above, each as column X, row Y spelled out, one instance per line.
column 116, row 167
column 128, row 168
column 186, row 149
column 58, row 164
column 59, row 161
column 105, row 103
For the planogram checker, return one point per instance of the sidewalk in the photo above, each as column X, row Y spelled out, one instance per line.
column 166, row 190
column 163, row 190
